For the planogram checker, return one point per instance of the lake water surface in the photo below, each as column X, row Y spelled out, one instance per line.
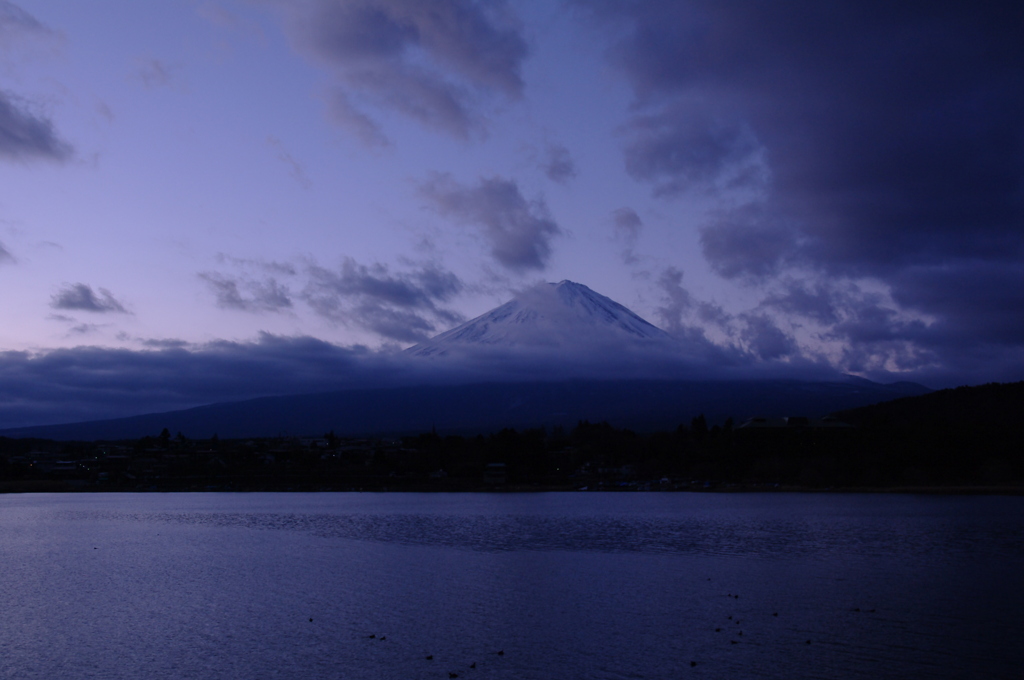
column 567, row 585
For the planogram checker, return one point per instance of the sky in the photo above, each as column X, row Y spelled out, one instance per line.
column 211, row 199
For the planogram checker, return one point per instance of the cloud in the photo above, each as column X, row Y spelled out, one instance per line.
column 154, row 73
column 82, row 383
column 295, row 168
column 862, row 328
column 14, row 20
column 405, row 306
column 976, row 304
column 689, row 320
column 399, row 306
column 219, row 16
column 679, row 150
column 519, row 231
column 877, row 338
column 928, row 321
column 25, row 135
column 433, row 62
column 84, row 328
column 931, row 322
column 5, row 255
column 558, row 164
column 164, row 343
column 678, row 302
column 810, row 300
column 105, row 111
column 747, row 243
column 627, row 225
column 248, row 295
column 267, row 266
column 714, row 315
column 88, row 383
column 765, row 339
column 364, row 127
column 81, row 297
column 856, row 142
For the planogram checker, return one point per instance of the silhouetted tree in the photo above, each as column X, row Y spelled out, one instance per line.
column 699, row 427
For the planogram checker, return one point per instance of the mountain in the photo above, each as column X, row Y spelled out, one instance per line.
column 553, row 316
column 552, row 356
column 643, row 405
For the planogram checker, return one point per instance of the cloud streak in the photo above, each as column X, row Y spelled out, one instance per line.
column 81, row 297
column 558, row 164
column 15, row 21
column 432, row 62
column 343, row 112
column 248, row 295
column 627, row 225
column 295, row 168
column 404, row 306
column 518, row 231
column 154, row 73
column 25, row 135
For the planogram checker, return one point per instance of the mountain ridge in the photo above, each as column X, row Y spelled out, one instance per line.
column 478, row 408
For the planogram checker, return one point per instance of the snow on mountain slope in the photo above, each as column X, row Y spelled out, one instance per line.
column 548, row 316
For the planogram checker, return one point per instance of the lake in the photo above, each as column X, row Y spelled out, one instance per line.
column 544, row 585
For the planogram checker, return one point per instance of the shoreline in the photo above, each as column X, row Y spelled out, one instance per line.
column 71, row 487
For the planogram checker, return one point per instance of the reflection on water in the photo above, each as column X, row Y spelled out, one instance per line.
column 566, row 585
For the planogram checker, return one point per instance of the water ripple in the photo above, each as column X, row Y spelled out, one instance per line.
column 732, row 536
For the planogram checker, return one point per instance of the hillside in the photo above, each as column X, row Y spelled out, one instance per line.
column 966, row 434
column 995, row 405
column 643, row 405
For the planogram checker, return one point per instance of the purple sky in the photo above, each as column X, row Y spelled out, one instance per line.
column 291, row 189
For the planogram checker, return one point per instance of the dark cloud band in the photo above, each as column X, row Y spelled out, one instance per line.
column 846, row 141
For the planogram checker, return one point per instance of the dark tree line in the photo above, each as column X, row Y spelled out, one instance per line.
column 964, row 437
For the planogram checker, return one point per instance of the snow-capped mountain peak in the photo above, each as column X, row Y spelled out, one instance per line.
column 551, row 315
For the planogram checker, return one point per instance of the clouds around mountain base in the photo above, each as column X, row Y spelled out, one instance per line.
column 90, row 383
